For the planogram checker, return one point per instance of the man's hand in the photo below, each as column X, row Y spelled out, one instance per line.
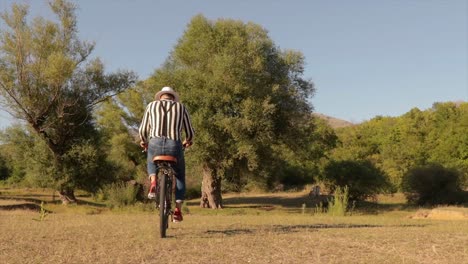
column 144, row 145
column 187, row 144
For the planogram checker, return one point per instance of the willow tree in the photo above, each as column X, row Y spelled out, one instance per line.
column 48, row 80
column 247, row 99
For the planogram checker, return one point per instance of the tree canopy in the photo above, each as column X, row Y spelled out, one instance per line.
column 247, row 98
column 397, row 144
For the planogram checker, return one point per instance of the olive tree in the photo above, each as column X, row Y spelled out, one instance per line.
column 247, row 98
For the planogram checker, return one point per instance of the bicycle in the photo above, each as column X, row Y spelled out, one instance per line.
column 165, row 189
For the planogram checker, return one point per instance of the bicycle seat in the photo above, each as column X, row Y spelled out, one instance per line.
column 165, row 158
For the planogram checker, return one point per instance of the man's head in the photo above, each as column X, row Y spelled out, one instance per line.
column 166, row 93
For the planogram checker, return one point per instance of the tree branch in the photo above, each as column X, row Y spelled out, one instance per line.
column 94, row 103
column 27, row 114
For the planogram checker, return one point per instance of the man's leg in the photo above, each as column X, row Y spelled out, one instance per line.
column 151, row 168
column 153, row 179
column 152, row 189
column 180, row 185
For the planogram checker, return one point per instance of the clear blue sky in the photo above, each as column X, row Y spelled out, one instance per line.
column 365, row 57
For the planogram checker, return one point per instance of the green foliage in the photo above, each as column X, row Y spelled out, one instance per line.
column 247, row 99
column 362, row 178
column 193, row 192
column 338, row 205
column 398, row 144
column 302, row 165
column 31, row 162
column 433, row 184
column 28, row 160
column 43, row 213
column 122, row 149
column 48, row 81
column 85, row 167
column 4, row 171
column 448, row 140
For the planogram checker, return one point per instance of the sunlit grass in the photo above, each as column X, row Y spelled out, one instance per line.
column 262, row 228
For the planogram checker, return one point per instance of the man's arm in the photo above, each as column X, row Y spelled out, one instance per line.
column 188, row 128
column 144, row 127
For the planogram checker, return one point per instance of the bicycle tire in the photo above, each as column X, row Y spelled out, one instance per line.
column 163, row 206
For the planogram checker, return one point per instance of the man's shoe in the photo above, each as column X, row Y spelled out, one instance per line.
column 152, row 191
column 177, row 216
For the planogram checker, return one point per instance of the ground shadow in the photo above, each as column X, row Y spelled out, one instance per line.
column 282, row 229
column 297, row 203
column 266, row 203
column 230, row 232
column 38, row 201
column 368, row 207
column 24, row 206
column 261, row 201
column 271, row 202
column 5, row 194
column 83, row 202
column 27, row 199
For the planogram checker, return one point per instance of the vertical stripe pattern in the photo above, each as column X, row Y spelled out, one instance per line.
column 177, row 119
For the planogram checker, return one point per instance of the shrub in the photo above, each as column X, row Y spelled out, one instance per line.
column 338, row 205
column 433, row 184
column 193, row 193
column 362, row 178
column 121, row 194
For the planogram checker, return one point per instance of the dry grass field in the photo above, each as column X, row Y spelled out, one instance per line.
column 251, row 229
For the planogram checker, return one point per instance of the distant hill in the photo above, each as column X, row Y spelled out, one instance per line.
column 334, row 122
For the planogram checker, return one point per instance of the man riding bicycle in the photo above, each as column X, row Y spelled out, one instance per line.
column 160, row 133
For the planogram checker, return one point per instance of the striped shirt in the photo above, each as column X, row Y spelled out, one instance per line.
column 175, row 116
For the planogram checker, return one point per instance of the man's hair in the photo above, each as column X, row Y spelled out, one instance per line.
column 169, row 96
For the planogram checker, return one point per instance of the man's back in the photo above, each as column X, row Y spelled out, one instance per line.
column 166, row 118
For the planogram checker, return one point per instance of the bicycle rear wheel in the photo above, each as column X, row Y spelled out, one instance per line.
column 163, row 206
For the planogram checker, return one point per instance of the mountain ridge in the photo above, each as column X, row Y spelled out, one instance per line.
column 334, row 122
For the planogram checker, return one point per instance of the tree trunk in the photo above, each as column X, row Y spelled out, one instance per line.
column 67, row 195
column 211, row 189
